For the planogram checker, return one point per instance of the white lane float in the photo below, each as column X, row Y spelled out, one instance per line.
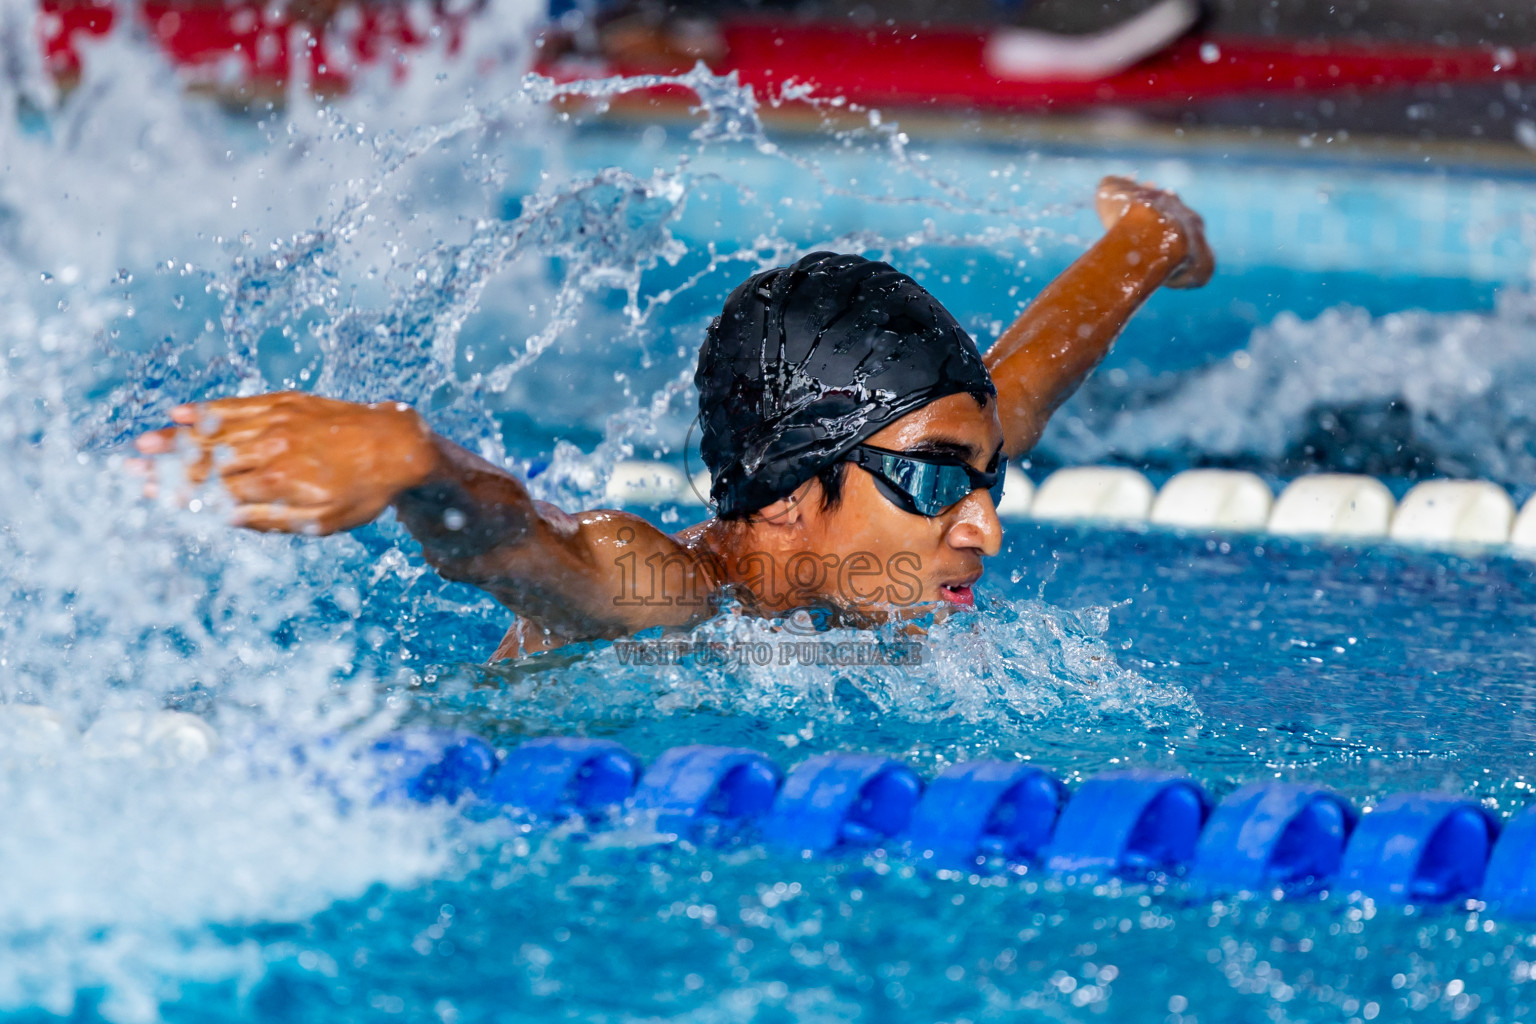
column 1454, row 512
column 635, row 482
column 698, row 488
column 1213, row 499
column 1018, row 494
column 1523, row 534
column 1094, row 493
column 1333, row 505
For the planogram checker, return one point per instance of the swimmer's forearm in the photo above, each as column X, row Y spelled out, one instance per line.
column 1071, row 325
column 465, row 508
column 478, row 525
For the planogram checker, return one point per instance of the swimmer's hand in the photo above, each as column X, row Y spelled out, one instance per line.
column 1182, row 230
column 299, row 463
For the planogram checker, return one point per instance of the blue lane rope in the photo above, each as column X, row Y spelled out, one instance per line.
column 707, row 792
column 1266, row 836
column 1274, row 835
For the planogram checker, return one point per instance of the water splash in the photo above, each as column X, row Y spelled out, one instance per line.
column 1013, row 677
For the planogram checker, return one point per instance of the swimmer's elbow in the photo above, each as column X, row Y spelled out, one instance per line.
column 478, row 570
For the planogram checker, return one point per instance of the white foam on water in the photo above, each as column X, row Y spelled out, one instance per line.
column 1463, row 377
column 114, row 867
column 114, row 864
column 993, row 677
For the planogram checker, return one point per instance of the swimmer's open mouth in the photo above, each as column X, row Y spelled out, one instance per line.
column 959, row 593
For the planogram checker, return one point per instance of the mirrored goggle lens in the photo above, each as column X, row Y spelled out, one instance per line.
column 934, row 487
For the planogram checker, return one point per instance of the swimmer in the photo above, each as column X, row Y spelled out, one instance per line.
column 855, row 436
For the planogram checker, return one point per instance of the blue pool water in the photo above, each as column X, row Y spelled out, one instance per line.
column 539, row 286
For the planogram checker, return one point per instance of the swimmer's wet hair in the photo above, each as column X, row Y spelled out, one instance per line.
column 806, row 361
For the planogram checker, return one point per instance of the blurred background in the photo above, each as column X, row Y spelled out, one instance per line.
column 1416, row 70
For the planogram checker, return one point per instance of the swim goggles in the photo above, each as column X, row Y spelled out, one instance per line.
column 926, row 485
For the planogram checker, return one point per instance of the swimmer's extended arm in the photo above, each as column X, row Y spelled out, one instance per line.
column 588, row 576
column 1152, row 239
column 298, row 463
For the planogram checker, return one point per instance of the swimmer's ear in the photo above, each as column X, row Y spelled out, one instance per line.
column 786, row 511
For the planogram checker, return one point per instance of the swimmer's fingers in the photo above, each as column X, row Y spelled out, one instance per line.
column 267, row 486
column 211, row 428
column 170, row 440
column 144, row 469
column 1199, row 261
column 280, row 517
column 240, row 469
column 210, row 415
column 1114, row 198
column 224, row 422
column 157, row 442
column 297, row 450
column 249, row 455
column 233, row 448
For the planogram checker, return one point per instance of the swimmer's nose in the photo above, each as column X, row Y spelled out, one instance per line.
column 975, row 525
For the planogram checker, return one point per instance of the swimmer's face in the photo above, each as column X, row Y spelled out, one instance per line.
column 887, row 558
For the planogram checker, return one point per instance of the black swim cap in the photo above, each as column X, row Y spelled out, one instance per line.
column 806, row 361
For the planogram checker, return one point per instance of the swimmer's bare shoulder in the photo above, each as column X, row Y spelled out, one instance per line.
column 298, row 463
column 630, row 577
